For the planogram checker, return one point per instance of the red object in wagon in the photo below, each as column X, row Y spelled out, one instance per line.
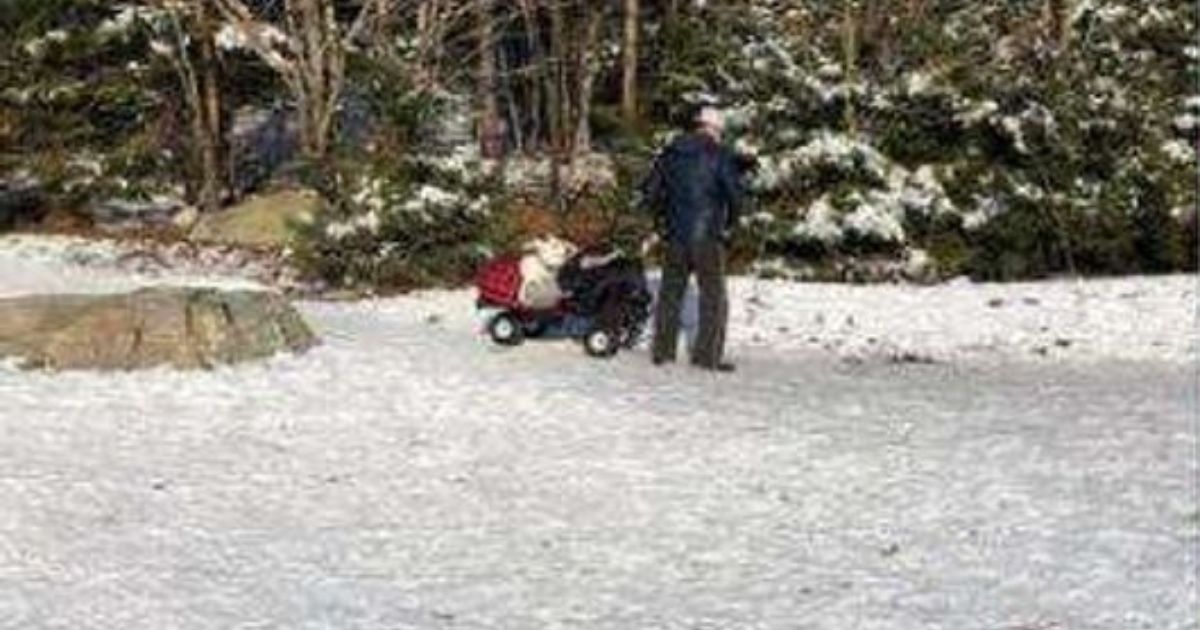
column 499, row 282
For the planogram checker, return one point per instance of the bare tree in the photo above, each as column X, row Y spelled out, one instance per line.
column 556, row 101
column 535, row 76
column 490, row 131
column 430, row 27
column 193, row 53
column 307, row 48
column 1056, row 18
column 850, row 49
column 585, row 78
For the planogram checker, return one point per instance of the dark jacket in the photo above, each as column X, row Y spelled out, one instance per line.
column 695, row 190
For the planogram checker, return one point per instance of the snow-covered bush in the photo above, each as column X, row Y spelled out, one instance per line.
column 1006, row 139
column 837, row 195
column 425, row 222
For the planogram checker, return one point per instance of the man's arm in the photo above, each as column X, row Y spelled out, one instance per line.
column 730, row 180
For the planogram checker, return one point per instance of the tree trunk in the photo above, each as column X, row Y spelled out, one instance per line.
column 629, row 75
column 877, row 28
column 201, row 94
column 557, row 102
column 510, row 100
column 850, row 28
column 490, row 137
column 211, row 140
column 585, row 78
column 429, row 34
column 557, row 75
column 1056, row 14
column 534, row 81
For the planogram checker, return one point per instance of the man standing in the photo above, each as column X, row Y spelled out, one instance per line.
column 695, row 187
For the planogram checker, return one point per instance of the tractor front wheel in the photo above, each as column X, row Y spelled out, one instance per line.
column 601, row 343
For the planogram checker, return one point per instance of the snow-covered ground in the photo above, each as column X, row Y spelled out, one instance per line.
column 406, row 474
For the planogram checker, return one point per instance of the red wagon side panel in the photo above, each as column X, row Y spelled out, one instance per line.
column 499, row 282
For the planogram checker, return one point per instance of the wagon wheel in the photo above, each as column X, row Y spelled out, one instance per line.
column 505, row 330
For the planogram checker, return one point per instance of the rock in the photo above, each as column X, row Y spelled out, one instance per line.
column 265, row 221
column 184, row 328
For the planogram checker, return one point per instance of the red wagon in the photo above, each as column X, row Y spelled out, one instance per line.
column 606, row 307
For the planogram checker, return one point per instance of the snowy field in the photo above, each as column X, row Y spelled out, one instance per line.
column 1018, row 457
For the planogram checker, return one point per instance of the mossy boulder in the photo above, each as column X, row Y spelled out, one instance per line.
column 183, row 328
column 265, row 221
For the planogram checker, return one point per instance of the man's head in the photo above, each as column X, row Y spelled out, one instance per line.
column 709, row 120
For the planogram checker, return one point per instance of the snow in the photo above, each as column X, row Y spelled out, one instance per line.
column 406, row 474
column 1012, row 126
column 1131, row 319
column 1079, row 10
column 1110, row 14
column 36, row 264
column 238, row 36
column 819, row 222
column 429, row 197
column 1179, row 151
column 161, row 48
column 877, row 212
column 37, row 46
column 918, row 83
column 875, row 215
column 127, row 17
column 824, row 148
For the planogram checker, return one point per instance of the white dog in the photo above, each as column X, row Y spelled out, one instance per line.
column 540, row 262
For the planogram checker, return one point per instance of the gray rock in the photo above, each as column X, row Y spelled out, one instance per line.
column 184, row 328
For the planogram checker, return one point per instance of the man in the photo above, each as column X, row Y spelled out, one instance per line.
column 695, row 187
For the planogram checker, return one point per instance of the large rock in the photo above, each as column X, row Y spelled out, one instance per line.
column 264, row 221
column 184, row 328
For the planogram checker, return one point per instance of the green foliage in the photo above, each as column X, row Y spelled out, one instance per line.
column 626, row 223
column 393, row 228
column 85, row 100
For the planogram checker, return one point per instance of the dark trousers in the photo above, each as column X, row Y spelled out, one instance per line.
column 707, row 261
